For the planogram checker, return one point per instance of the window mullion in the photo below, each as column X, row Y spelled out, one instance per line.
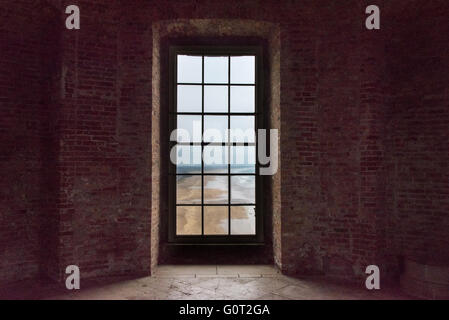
column 202, row 146
column 228, row 146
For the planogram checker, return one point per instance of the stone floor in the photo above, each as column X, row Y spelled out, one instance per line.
column 208, row 283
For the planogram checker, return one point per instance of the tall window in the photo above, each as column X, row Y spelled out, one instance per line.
column 215, row 107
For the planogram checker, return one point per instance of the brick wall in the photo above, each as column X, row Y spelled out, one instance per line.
column 25, row 110
column 105, row 152
column 332, row 103
column 418, row 132
column 363, row 131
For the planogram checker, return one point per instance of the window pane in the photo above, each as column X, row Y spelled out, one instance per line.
column 215, row 128
column 189, row 128
column 215, row 189
column 215, row 99
column 188, row 189
column 243, row 189
column 189, row 69
column 189, row 99
column 243, row 69
column 216, row 69
column 215, row 220
column 215, row 159
column 243, row 220
column 188, row 159
column 243, row 159
column 242, row 129
column 242, row 99
column 209, row 92
column 188, row 220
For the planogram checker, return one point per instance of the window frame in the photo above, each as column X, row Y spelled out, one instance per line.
column 258, row 114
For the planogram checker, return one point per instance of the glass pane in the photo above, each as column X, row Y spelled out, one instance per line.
column 188, row 159
column 216, row 69
column 242, row 129
column 243, row 189
column 243, row 220
column 242, row 99
column 189, row 128
column 215, row 220
column 189, row 69
column 188, row 220
column 188, row 189
column 243, row 69
column 189, row 99
column 215, row 99
column 215, row 159
column 215, row 189
column 215, row 128
column 243, row 159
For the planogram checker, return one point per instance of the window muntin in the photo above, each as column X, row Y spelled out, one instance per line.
column 215, row 199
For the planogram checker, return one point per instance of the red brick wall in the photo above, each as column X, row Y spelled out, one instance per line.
column 104, row 159
column 332, row 106
column 363, row 136
column 418, row 132
column 26, row 65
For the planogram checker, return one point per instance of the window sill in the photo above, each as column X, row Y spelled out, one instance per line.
column 257, row 244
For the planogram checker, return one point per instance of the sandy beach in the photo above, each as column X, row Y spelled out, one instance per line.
column 215, row 217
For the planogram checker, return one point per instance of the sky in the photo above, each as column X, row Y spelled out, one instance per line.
column 242, row 100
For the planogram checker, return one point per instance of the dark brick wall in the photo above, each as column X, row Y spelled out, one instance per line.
column 20, row 131
column 332, row 106
column 363, row 117
column 104, row 158
column 418, row 132
column 25, row 136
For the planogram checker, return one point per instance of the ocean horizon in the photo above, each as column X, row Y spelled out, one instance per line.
column 235, row 168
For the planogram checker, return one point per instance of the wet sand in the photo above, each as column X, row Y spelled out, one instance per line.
column 216, row 218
